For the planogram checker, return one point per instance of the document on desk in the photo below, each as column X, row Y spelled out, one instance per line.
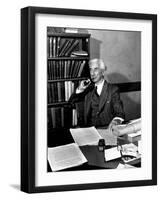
column 124, row 166
column 85, row 136
column 108, row 136
column 112, row 153
column 65, row 156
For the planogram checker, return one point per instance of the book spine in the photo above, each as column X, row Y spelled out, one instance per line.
column 81, row 68
column 53, row 117
column 49, row 93
column 66, row 43
column 57, row 46
column 50, row 123
column 68, row 68
column 59, row 91
column 76, row 68
column 63, row 91
column 54, row 70
column 71, row 68
column 50, row 47
column 54, row 47
column 62, row 117
column 65, row 84
column 73, row 47
column 65, row 68
column 67, row 47
column 74, row 117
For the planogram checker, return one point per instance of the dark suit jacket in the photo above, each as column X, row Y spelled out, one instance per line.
column 110, row 104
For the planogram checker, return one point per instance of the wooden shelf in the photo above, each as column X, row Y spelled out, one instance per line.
column 59, row 104
column 69, row 35
column 69, row 58
column 67, row 79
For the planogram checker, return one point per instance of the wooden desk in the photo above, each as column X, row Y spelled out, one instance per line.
column 95, row 157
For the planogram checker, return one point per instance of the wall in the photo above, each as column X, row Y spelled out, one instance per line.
column 121, row 52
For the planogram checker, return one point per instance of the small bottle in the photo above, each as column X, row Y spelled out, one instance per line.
column 101, row 145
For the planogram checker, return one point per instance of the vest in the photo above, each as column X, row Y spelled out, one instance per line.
column 94, row 114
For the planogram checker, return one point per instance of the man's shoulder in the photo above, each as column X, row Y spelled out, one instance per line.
column 111, row 86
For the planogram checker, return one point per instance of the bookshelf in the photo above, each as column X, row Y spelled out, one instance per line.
column 67, row 64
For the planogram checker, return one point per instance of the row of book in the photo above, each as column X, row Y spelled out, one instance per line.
column 65, row 69
column 60, row 91
column 58, row 47
column 59, row 117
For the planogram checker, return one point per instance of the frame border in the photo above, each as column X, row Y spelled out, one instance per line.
column 28, row 98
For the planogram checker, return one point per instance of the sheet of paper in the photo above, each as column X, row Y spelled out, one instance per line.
column 65, row 156
column 129, row 150
column 124, row 166
column 130, row 153
column 108, row 136
column 112, row 153
column 85, row 136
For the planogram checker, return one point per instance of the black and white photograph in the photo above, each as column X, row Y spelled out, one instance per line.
column 94, row 99
column 89, row 90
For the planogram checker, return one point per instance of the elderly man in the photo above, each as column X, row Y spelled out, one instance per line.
column 101, row 100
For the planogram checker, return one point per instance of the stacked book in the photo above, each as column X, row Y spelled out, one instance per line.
column 59, row 117
column 79, row 53
column 60, row 91
column 62, row 47
column 65, row 69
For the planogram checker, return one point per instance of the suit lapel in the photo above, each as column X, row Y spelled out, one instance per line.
column 104, row 95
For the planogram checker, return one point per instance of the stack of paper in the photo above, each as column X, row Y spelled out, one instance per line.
column 65, row 156
column 85, row 136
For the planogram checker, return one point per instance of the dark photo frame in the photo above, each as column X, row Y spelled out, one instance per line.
column 35, row 139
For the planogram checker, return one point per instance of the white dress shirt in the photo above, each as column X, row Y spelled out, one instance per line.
column 99, row 87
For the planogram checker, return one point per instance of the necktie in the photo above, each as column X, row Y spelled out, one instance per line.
column 95, row 90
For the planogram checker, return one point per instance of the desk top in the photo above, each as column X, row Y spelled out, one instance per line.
column 95, row 157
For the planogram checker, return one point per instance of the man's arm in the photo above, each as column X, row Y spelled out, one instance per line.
column 76, row 97
column 118, row 111
column 117, row 105
column 80, row 92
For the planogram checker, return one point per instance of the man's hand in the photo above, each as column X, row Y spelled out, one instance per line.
column 114, row 122
column 82, row 86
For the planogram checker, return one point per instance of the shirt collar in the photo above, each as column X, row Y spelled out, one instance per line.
column 100, row 86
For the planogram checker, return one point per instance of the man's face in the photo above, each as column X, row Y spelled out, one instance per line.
column 96, row 73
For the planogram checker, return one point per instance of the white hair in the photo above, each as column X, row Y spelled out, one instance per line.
column 99, row 63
